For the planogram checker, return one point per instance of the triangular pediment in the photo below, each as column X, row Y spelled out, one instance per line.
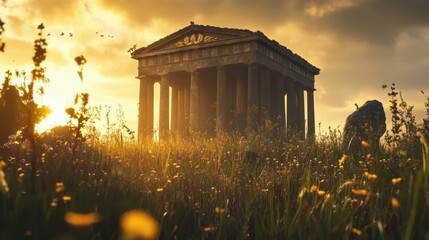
column 195, row 35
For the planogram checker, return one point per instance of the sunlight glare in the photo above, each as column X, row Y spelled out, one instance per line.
column 58, row 117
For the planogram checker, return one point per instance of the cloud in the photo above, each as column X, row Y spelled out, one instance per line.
column 373, row 21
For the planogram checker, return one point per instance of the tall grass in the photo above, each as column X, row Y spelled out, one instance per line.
column 200, row 188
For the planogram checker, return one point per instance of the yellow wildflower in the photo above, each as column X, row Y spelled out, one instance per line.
column 370, row 176
column 81, row 219
column 209, row 229
column 4, row 188
column 313, row 188
column 59, row 187
column 395, row 203
column 66, row 198
column 357, row 231
column 54, row 202
column 321, row 193
column 327, row 196
column 396, row 180
column 361, row 192
column 139, row 224
column 343, row 159
column 365, row 144
column 160, row 189
column 219, row 210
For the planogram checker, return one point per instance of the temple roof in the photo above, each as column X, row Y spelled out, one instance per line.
column 210, row 34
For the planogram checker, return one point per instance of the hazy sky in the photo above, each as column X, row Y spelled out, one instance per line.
column 359, row 45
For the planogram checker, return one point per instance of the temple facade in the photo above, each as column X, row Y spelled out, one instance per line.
column 223, row 79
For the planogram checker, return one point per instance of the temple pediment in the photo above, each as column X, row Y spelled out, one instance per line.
column 195, row 35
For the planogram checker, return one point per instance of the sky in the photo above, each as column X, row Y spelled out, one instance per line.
column 359, row 45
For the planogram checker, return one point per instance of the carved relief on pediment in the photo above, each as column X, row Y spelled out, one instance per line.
column 195, row 39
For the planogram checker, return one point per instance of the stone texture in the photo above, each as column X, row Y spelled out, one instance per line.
column 367, row 123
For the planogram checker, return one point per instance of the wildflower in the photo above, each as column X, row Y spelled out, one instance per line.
column 160, row 189
column 313, row 188
column 54, row 202
column 365, row 144
column 395, row 203
column 321, row 193
column 209, row 229
column 219, row 210
column 327, row 196
column 370, row 176
column 368, row 156
column 139, row 224
column 396, row 180
column 343, row 159
column 66, row 198
column 361, row 192
column 59, row 187
column 357, row 231
column 4, row 188
column 81, row 219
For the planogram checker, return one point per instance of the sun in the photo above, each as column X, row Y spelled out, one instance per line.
column 58, row 117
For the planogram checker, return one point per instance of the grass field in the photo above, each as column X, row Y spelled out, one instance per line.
column 268, row 186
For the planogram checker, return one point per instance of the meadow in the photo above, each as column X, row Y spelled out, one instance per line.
column 265, row 184
column 200, row 188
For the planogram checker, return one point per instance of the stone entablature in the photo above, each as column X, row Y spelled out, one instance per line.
column 179, row 54
column 199, row 56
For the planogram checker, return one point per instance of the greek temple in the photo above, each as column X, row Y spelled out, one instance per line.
column 223, row 79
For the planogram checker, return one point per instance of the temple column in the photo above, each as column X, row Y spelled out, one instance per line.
column 150, row 107
column 300, row 111
column 252, row 97
column 278, row 108
column 230, row 102
column 291, row 105
column 310, row 113
column 142, row 124
column 164, row 107
column 194, row 101
column 265, row 93
column 181, row 109
column 187, row 105
column 221, row 99
column 240, row 104
column 174, row 108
